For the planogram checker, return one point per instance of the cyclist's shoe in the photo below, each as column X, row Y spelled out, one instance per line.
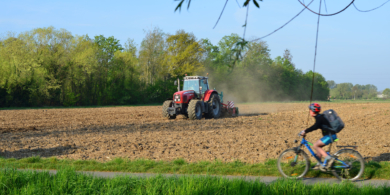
column 322, row 168
column 316, row 167
column 328, row 164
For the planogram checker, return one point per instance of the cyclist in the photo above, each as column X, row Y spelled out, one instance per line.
column 325, row 140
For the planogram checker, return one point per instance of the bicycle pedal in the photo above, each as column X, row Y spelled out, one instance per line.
column 323, row 169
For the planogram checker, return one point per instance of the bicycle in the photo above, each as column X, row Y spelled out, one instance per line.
column 295, row 163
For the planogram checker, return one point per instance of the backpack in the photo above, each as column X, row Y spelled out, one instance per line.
column 336, row 124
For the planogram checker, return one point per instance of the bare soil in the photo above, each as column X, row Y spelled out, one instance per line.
column 262, row 132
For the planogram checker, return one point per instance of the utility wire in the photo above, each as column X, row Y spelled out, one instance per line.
column 282, row 25
column 370, row 9
column 238, row 4
column 221, row 14
column 326, row 9
column 315, row 57
column 315, row 53
column 246, row 21
column 327, row 14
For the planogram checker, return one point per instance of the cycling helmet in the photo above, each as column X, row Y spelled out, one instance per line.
column 316, row 108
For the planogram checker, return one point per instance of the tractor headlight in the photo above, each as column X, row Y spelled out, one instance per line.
column 177, row 98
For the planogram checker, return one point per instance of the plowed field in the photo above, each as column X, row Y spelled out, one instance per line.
column 262, row 131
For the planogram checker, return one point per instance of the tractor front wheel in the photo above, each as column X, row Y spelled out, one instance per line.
column 165, row 112
column 214, row 107
column 195, row 110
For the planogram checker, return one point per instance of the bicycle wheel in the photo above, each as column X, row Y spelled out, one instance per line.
column 348, row 157
column 292, row 164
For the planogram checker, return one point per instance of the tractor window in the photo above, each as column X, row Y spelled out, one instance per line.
column 191, row 84
column 205, row 87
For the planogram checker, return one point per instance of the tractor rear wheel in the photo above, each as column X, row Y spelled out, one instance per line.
column 214, row 107
column 195, row 110
column 165, row 112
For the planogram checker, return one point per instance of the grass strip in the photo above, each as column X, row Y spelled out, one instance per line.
column 373, row 170
column 67, row 181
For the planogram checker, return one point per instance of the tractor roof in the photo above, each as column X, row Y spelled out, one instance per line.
column 195, row 77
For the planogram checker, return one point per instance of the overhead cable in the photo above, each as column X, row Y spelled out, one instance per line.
column 238, row 4
column 327, row 14
column 246, row 21
column 221, row 14
column 326, row 9
column 370, row 9
column 315, row 53
column 282, row 25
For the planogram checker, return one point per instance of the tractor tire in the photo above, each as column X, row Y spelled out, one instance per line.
column 214, row 107
column 165, row 107
column 237, row 112
column 194, row 110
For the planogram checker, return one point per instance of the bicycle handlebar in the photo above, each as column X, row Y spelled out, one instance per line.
column 299, row 134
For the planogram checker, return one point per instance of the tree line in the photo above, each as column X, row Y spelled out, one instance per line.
column 350, row 91
column 52, row 67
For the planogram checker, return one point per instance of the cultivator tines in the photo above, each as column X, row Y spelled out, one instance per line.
column 229, row 109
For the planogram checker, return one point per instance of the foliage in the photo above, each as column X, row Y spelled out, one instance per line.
column 151, row 56
column 51, row 67
column 350, row 91
column 331, row 84
column 386, row 92
column 184, row 54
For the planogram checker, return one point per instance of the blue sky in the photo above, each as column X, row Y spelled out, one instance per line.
column 353, row 46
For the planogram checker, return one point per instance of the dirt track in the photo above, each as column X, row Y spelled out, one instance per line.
column 141, row 132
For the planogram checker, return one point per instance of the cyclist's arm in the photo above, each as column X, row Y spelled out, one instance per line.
column 316, row 126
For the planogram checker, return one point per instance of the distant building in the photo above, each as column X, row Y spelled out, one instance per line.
column 381, row 96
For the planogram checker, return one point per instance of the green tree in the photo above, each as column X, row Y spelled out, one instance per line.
column 386, row 92
column 371, row 91
column 32, row 60
column 105, row 56
column 184, row 54
column 124, row 77
column 79, row 83
column 151, row 56
column 343, row 91
column 331, row 84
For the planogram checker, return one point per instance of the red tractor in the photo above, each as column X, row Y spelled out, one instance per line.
column 196, row 100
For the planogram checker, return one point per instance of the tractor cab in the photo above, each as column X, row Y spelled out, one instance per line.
column 198, row 84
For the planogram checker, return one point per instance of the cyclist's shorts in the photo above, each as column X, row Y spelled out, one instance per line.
column 326, row 139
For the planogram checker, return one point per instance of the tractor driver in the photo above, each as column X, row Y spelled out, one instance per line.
column 325, row 140
column 192, row 85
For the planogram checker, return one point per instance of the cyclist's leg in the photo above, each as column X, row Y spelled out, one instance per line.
column 325, row 141
column 318, row 147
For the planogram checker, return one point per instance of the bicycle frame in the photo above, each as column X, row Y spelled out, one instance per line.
column 308, row 144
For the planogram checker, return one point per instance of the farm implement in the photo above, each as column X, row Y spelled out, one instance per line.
column 197, row 100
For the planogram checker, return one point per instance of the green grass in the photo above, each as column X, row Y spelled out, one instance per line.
column 67, row 181
column 374, row 170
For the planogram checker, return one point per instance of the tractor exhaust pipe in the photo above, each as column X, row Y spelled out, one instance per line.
column 178, row 84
